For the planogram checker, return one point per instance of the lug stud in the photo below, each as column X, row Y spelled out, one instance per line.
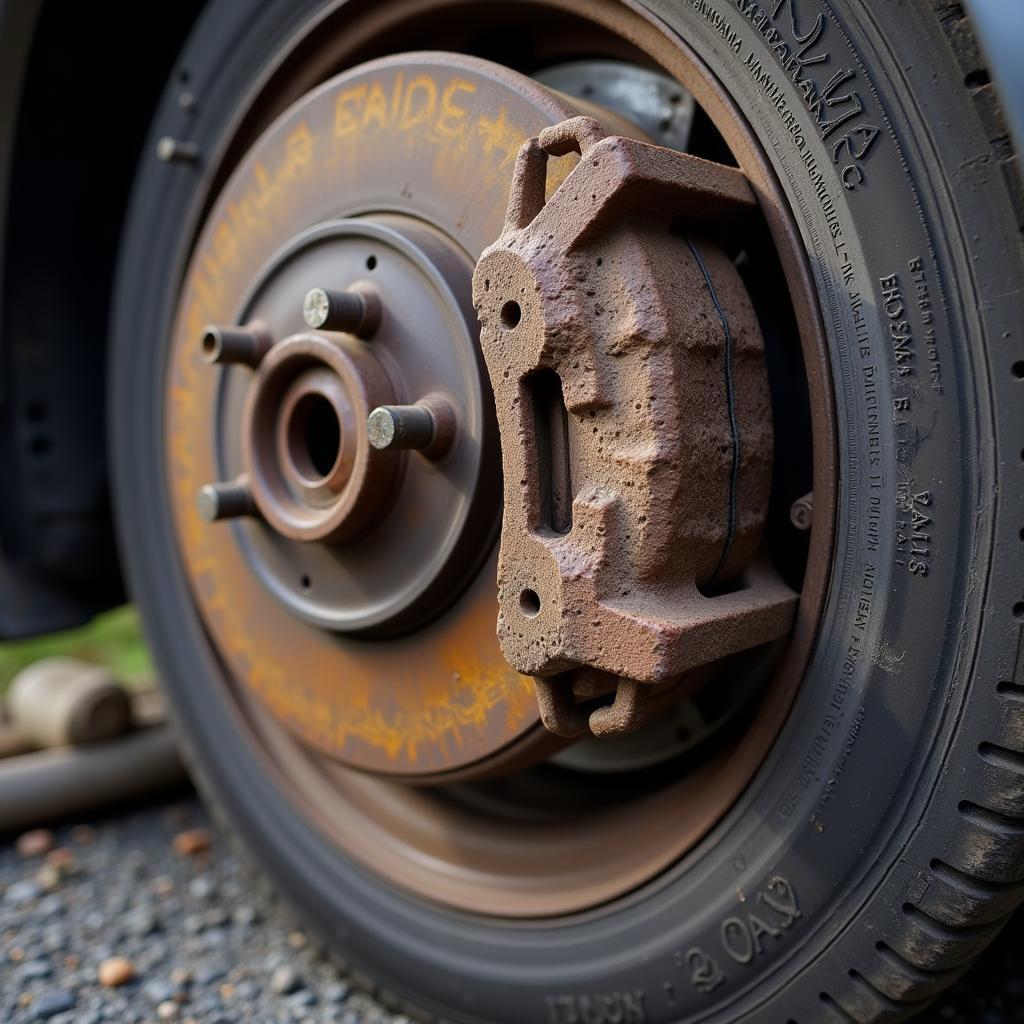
column 353, row 312
column 226, row 501
column 801, row 512
column 176, row 151
column 428, row 426
column 245, row 345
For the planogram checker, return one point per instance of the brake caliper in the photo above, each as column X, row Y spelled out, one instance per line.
column 636, row 432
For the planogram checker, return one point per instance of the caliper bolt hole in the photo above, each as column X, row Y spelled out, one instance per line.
column 529, row 603
column 511, row 314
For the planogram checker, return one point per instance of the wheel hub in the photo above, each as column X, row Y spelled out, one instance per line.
column 393, row 328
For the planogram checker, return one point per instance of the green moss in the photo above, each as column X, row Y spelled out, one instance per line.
column 113, row 639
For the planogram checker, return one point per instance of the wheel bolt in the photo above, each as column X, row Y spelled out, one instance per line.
column 170, row 150
column 226, row 501
column 802, row 512
column 243, row 345
column 427, row 426
column 354, row 312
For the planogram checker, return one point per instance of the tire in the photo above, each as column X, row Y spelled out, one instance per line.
column 880, row 847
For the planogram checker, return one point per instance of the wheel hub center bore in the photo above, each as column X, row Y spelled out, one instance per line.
column 312, row 475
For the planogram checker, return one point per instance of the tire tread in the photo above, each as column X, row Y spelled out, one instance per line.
column 973, row 889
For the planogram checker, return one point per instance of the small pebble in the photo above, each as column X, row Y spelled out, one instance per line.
column 192, row 841
column 49, row 1004
column 285, row 980
column 36, row 843
column 50, row 906
column 244, row 916
column 163, row 885
column 49, row 878
column 336, row 992
column 32, row 970
column 141, row 922
column 207, row 974
column 115, row 972
column 20, row 893
column 159, row 991
column 201, row 888
column 181, row 977
column 167, row 1010
column 216, row 917
column 95, row 921
column 61, row 858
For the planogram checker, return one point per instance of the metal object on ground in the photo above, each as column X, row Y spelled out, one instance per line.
column 627, row 366
column 58, row 701
column 49, row 784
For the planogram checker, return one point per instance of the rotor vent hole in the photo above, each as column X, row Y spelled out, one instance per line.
column 306, row 583
column 1018, row 369
column 529, row 603
column 511, row 314
column 314, row 436
column 371, row 262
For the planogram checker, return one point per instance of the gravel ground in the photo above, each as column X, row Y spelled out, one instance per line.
column 154, row 901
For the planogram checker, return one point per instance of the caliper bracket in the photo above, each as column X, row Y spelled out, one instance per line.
column 636, row 431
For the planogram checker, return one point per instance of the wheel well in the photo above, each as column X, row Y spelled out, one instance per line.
column 82, row 108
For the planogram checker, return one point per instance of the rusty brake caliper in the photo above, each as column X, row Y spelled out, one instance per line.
column 636, row 433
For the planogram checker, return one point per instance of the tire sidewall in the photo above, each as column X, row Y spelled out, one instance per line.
column 840, row 823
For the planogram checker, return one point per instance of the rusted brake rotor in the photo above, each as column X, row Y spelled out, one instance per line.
column 627, row 366
column 349, row 586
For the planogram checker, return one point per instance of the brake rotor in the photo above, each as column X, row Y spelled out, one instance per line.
column 387, row 182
